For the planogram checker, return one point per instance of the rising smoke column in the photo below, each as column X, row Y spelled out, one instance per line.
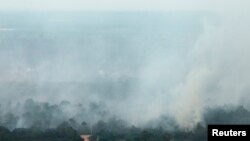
column 219, row 68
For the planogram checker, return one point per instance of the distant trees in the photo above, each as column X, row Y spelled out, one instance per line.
column 42, row 115
column 45, row 122
column 228, row 115
column 5, row 134
column 9, row 120
column 62, row 133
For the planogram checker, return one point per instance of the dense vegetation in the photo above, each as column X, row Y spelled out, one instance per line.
column 38, row 119
column 61, row 133
column 67, row 133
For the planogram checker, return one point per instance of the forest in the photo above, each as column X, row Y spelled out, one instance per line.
column 112, row 129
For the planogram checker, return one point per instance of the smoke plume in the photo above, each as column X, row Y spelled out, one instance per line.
column 138, row 66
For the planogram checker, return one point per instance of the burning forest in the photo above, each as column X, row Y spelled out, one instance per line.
column 122, row 70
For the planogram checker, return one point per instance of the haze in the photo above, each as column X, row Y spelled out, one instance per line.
column 157, row 57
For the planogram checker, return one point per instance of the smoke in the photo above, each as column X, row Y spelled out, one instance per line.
column 137, row 66
column 6, row 29
column 218, row 73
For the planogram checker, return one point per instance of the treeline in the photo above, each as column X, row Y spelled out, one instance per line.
column 64, row 132
column 44, row 122
column 43, row 115
column 104, row 132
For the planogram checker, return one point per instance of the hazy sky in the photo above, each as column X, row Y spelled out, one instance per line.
column 215, row 70
column 69, row 5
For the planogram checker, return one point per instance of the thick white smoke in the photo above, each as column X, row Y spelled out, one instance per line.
column 140, row 69
column 219, row 67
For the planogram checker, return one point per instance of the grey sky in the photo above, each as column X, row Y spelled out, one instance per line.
column 162, row 5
